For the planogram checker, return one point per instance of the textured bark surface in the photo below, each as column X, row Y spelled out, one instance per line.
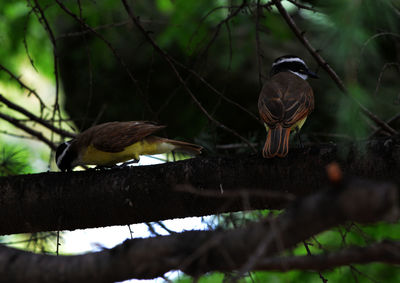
column 73, row 200
column 197, row 252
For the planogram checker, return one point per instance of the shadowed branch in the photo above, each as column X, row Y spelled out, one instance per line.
column 198, row 252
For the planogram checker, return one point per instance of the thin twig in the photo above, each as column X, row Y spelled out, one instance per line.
column 23, row 85
column 375, row 36
column 390, row 121
column 321, row 61
column 309, row 254
column 386, row 251
column 258, row 45
column 162, row 225
column 43, row 20
column 25, row 42
column 200, row 22
column 87, row 49
column 386, row 66
column 168, row 59
column 218, row 28
column 301, row 6
column 112, row 49
column 34, row 118
column 207, row 84
column 37, row 134
column 15, row 135
column 106, row 26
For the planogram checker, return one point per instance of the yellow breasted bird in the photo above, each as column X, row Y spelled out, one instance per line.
column 285, row 101
column 114, row 142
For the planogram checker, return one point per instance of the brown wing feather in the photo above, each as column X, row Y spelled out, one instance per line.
column 285, row 99
column 115, row 136
column 180, row 146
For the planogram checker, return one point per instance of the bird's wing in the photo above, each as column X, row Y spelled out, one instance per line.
column 270, row 104
column 115, row 136
column 285, row 99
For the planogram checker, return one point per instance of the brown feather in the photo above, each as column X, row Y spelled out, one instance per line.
column 115, row 136
column 180, row 146
column 284, row 100
column 277, row 143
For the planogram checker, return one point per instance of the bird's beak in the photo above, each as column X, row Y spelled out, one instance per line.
column 312, row 74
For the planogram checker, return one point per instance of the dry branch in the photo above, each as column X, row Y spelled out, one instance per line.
column 198, row 252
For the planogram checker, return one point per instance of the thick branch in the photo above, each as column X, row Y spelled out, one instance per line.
column 198, row 252
column 73, row 200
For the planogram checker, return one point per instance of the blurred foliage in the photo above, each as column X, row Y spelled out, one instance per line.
column 41, row 242
column 329, row 241
column 13, row 161
column 352, row 234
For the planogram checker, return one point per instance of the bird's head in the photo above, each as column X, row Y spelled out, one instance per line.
column 293, row 64
column 64, row 156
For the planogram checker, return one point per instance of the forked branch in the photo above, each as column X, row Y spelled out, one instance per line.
column 198, row 252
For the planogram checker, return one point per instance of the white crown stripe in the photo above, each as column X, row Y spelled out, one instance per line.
column 288, row 60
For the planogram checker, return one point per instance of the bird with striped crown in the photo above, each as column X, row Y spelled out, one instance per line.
column 285, row 101
column 110, row 143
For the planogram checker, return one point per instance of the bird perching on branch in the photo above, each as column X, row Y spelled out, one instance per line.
column 114, row 142
column 285, row 101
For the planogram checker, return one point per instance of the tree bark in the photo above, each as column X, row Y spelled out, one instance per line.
column 195, row 187
column 198, row 252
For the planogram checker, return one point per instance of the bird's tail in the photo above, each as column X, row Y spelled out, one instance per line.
column 185, row 147
column 277, row 143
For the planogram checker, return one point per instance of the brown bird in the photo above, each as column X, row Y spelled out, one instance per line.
column 285, row 102
column 114, row 142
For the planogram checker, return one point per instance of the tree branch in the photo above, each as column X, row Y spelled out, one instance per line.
column 170, row 62
column 301, row 6
column 34, row 133
column 112, row 49
column 321, row 61
column 37, row 9
column 385, row 252
column 75, row 200
column 23, row 85
column 198, row 252
column 34, row 118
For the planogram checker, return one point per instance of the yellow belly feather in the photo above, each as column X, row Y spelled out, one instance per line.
column 93, row 156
